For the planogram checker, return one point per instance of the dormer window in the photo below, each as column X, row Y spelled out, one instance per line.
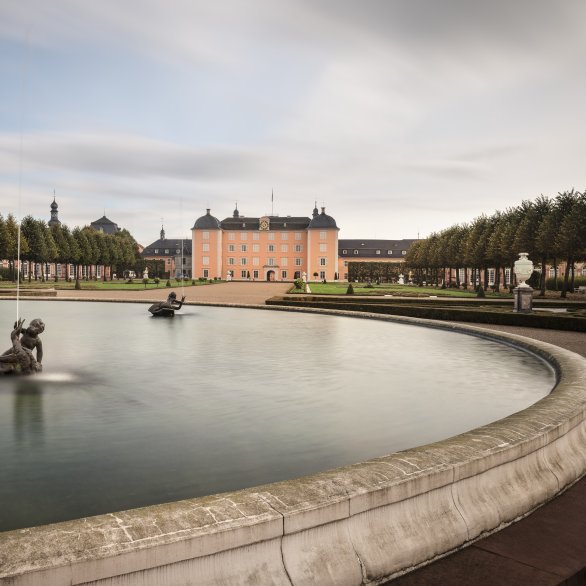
column 344, row 252
column 378, row 251
column 389, row 252
column 156, row 251
column 166, row 251
column 355, row 252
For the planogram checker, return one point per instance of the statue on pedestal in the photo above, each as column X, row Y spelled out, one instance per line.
column 167, row 308
column 20, row 359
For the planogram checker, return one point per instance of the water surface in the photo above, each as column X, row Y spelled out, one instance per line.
column 133, row 410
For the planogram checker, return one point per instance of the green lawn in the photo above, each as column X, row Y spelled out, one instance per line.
column 393, row 289
column 120, row 285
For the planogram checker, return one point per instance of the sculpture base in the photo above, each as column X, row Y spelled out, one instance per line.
column 523, row 297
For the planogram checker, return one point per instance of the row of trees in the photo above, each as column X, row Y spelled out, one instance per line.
column 551, row 230
column 41, row 244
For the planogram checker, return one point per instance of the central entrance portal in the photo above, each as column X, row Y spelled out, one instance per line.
column 270, row 276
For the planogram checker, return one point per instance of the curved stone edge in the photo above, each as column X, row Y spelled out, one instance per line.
column 360, row 524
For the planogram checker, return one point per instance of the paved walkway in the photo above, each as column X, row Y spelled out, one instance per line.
column 545, row 549
column 236, row 292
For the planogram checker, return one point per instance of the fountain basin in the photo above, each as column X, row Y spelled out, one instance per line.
column 361, row 522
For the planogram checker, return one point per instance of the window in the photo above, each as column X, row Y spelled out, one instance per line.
column 462, row 275
column 231, row 236
column 507, row 276
column 255, row 236
column 551, row 272
column 403, row 252
column 322, row 275
column 243, row 248
column 284, row 235
column 271, row 262
column 322, row 235
column 323, row 262
column 271, row 248
column 271, row 235
column 231, row 260
column 205, row 247
column 323, row 247
column 206, row 274
column 283, row 274
column 298, row 261
column 378, row 252
column 255, row 248
column 58, row 270
column 284, row 261
column 491, row 275
column 390, row 252
column 255, row 274
column 99, row 271
column 243, row 261
column 584, row 271
column 345, row 276
column 156, row 251
column 284, row 248
column 243, row 235
column 205, row 235
column 166, row 251
column 344, row 252
column 299, row 248
column 345, row 263
column 168, row 261
column 178, row 251
column 231, row 248
column 355, row 252
column 243, row 274
column 71, row 271
column 297, row 235
column 255, row 260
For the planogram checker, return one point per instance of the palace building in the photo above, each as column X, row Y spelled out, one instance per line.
column 267, row 248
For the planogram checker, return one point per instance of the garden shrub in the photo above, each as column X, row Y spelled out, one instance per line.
column 299, row 283
column 350, row 290
column 168, row 283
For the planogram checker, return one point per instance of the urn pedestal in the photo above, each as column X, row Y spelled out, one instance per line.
column 523, row 294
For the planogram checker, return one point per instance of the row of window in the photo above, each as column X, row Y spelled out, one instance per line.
column 256, row 248
column 271, row 261
column 270, row 235
column 389, row 252
column 244, row 274
column 167, row 251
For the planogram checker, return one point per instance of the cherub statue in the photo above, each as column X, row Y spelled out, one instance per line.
column 167, row 308
column 20, row 358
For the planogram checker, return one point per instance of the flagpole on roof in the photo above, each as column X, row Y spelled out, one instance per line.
column 272, row 202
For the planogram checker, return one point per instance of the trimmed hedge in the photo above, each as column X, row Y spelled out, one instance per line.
column 498, row 316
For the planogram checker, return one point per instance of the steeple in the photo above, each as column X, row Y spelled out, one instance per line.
column 315, row 212
column 54, row 221
column 236, row 212
column 162, row 233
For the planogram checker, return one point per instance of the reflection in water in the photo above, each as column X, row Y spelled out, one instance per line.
column 132, row 410
column 28, row 412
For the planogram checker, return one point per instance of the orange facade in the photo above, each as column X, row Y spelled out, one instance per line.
column 267, row 248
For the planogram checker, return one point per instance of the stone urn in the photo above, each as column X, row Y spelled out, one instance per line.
column 523, row 269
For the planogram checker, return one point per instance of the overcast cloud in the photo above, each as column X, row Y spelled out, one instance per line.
column 401, row 117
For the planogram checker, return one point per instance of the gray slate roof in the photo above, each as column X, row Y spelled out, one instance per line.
column 170, row 244
column 368, row 248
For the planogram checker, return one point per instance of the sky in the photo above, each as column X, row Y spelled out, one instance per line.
column 401, row 117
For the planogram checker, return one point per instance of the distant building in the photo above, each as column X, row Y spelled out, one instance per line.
column 266, row 248
column 175, row 253
column 105, row 225
column 388, row 251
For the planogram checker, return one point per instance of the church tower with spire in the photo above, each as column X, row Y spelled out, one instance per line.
column 54, row 221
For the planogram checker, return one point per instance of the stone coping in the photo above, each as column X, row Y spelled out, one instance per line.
column 371, row 520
